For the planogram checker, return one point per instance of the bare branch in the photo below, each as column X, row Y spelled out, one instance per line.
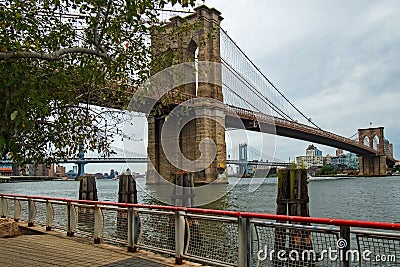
column 53, row 56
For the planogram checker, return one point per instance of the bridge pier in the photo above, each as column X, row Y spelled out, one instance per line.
column 372, row 165
column 206, row 118
column 160, row 169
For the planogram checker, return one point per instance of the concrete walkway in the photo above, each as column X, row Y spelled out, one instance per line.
column 54, row 249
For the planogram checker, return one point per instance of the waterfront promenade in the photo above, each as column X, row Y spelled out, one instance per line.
column 55, row 249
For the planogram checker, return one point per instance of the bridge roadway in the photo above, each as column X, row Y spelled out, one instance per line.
column 261, row 122
column 256, row 121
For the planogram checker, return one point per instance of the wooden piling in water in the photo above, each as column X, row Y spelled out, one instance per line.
column 183, row 194
column 87, row 191
column 87, row 188
column 127, row 193
column 293, row 200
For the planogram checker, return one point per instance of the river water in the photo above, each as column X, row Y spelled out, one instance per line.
column 359, row 198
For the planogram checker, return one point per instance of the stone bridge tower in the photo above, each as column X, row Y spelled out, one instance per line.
column 194, row 38
column 372, row 165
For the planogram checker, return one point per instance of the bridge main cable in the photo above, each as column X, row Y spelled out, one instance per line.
column 259, row 71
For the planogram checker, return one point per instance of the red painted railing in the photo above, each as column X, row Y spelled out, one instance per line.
column 237, row 214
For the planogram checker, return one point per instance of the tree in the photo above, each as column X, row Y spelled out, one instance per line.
column 59, row 57
column 327, row 170
column 396, row 168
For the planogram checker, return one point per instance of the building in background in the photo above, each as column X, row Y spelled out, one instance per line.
column 43, row 170
column 339, row 162
column 327, row 160
column 37, row 170
column 6, row 169
column 352, row 161
column 345, row 161
column 312, row 159
column 388, row 148
column 60, row 171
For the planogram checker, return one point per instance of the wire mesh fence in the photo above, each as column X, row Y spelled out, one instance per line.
column 157, row 231
column 60, row 216
column 4, row 207
column 85, row 221
column 378, row 249
column 115, row 225
column 41, row 213
column 212, row 239
column 24, row 210
column 276, row 244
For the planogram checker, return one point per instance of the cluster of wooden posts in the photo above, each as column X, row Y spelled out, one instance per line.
column 292, row 199
column 127, row 193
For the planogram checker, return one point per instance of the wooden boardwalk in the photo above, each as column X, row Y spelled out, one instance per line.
column 55, row 249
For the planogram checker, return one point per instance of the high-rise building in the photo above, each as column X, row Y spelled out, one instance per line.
column 339, row 152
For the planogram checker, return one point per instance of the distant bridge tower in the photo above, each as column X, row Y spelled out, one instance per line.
column 198, row 42
column 243, row 157
column 372, row 165
column 81, row 162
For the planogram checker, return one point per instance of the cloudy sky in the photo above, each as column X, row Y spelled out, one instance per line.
column 338, row 61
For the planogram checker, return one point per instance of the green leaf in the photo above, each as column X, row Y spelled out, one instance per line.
column 14, row 115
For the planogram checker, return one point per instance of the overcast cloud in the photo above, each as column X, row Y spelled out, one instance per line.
column 338, row 61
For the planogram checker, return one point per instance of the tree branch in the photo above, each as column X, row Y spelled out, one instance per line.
column 53, row 56
column 105, row 20
column 96, row 41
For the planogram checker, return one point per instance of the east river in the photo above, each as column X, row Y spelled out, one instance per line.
column 359, row 198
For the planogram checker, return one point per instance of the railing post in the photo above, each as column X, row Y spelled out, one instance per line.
column 131, row 230
column 344, row 245
column 71, row 219
column 31, row 212
column 17, row 209
column 98, row 224
column 244, row 257
column 4, row 207
column 49, row 215
column 179, row 236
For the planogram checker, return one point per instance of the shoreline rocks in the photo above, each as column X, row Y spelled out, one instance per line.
column 9, row 228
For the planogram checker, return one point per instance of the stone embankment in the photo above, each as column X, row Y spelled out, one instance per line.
column 9, row 228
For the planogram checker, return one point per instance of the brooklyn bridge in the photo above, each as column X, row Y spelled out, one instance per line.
column 206, row 74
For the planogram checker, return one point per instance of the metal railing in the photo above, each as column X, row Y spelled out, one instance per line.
column 214, row 237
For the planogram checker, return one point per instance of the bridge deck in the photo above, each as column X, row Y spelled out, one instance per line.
column 255, row 121
column 56, row 250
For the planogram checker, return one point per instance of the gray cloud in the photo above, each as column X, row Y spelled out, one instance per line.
column 337, row 60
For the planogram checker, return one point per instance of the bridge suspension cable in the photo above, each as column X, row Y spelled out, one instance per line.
column 234, row 89
column 354, row 136
column 233, row 56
